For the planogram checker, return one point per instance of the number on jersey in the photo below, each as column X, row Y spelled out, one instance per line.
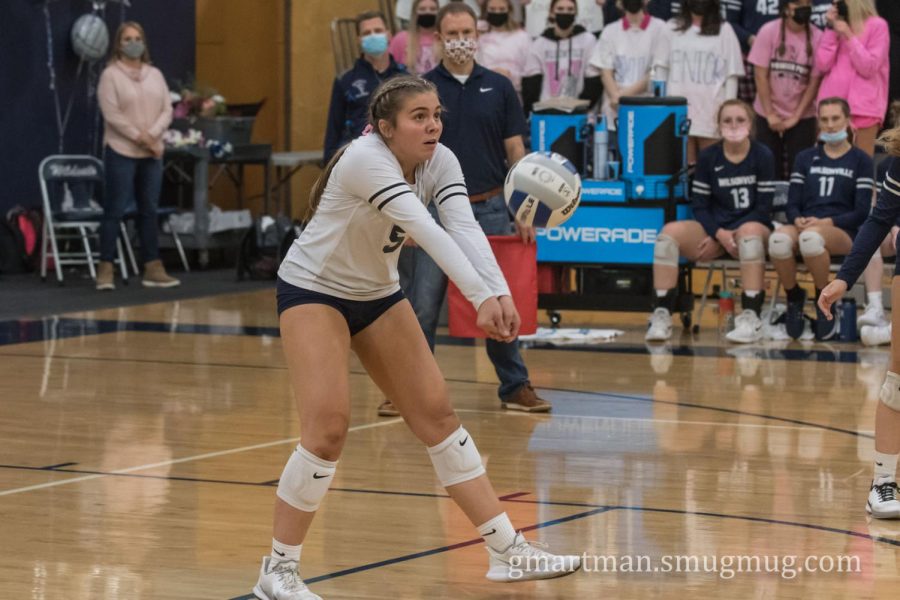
column 741, row 197
column 396, row 239
column 767, row 7
column 826, row 186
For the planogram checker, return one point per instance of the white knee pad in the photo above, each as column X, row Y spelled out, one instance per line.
column 781, row 246
column 665, row 251
column 456, row 459
column 890, row 391
column 812, row 243
column 305, row 480
column 750, row 250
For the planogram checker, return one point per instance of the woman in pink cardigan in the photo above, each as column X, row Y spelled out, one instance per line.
column 137, row 110
column 853, row 55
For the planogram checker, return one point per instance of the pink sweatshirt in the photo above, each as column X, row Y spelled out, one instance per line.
column 857, row 70
column 132, row 101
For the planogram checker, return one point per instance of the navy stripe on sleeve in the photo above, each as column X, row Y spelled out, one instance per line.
column 385, row 189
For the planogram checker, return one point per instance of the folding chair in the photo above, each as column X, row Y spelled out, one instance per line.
column 80, row 177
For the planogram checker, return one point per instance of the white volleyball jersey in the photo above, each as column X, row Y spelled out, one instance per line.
column 350, row 247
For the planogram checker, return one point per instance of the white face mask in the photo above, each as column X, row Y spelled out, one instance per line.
column 736, row 134
column 460, row 51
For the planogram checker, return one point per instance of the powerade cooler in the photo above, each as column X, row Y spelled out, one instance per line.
column 653, row 146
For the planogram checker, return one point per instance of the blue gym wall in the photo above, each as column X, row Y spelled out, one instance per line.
column 28, row 129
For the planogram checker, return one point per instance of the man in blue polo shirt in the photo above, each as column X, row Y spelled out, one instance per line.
column 348, row 111
column 483, row 126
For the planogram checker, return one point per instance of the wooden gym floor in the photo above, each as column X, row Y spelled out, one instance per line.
column 141, row 446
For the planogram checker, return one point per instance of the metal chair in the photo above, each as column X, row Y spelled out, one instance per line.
column 79, row 178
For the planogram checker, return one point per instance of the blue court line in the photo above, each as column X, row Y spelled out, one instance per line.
column 24, row 331
column 732, row 411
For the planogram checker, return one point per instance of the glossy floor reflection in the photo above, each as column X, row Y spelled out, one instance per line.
column 141, row 447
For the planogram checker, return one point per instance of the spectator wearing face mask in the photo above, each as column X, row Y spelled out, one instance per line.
column 504, row 47
column 703, row 65
column 559, row 60
column 348, row 110
column 786, row 84
column 591, row 15
column 625, row 54
column 414, row 47
column 853, row 55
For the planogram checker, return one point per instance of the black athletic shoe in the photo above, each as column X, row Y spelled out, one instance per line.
column 825, row 329
column 793, row 320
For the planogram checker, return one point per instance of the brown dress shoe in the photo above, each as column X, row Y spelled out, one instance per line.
column 526, row 400
column 387, row 409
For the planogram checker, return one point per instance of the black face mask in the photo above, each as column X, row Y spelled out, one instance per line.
column 802, row 15
column 426, row 21
column 842, row 10
column 633, row 6
column 564, row 20
column 497, row 19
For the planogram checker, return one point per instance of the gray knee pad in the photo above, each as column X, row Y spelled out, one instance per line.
column 665, row 251
column 781, row 246
column 456, row 459
column 750, row 250
column 812, row 243
column 890, row 391
column 305, row 480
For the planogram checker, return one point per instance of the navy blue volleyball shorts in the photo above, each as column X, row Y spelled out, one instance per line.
column 359, row 314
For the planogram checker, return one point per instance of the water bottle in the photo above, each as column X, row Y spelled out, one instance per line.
column 847, row 323
column 659, row 88
column 726, row 312
column 601, row 148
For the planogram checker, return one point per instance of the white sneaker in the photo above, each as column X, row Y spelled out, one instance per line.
column 279, row 580
column 524, row 561
column 660, row 328
column 883, row 503
column 747, row 328
column 874, row 316
column 873, row 335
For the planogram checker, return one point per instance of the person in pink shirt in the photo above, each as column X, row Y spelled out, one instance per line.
column 783, row 55
column 137, row 110
column 853, row 55
column 415, row 46
column 504, row 46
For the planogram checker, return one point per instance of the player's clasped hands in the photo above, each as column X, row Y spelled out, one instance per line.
column 833, row 292
column 499, row 318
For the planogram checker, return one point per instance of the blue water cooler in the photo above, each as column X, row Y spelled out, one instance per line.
column 653, row 145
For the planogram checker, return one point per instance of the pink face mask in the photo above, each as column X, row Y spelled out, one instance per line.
column 736, row 134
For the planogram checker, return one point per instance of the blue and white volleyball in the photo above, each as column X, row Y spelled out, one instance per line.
column 542, row 189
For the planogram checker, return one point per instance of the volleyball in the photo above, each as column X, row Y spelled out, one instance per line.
column 90, row 37
column 542, row 189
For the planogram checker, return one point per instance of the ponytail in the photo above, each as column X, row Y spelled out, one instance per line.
column 384, row 105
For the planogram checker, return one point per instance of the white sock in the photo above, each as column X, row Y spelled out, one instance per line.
column 661, row 293
column 498, row 533
column 284, row 552
column 874, row 299
column 752, row 293
column 885, row 466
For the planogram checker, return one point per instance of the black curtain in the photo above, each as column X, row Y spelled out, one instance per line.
column 28, row 126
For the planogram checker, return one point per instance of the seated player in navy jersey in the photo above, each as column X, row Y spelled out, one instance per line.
column 829, row 198
column 732, row 201
column 883, row 500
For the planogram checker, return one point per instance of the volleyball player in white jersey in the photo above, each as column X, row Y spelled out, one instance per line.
column 338, row 291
